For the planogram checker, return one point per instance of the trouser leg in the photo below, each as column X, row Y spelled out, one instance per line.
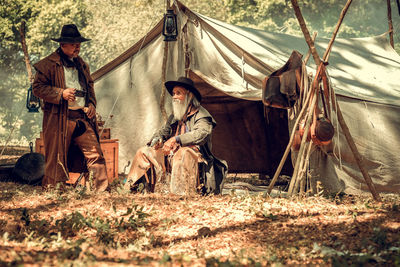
column 96, row 164
column 185, row 171
column 144, row 159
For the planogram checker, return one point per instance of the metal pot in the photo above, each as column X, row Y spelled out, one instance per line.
column 29, row 168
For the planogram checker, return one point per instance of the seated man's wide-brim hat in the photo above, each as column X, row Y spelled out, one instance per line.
column 186, row 83
column 70, row 35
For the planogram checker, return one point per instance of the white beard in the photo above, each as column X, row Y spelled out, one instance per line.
column 179, row 108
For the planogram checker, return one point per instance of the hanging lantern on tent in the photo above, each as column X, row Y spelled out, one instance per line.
column 32, row 101
column 170, row 27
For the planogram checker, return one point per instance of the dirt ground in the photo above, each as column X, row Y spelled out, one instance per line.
column 80, row 228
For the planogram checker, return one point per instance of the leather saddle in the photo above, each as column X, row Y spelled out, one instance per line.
column 282, row 88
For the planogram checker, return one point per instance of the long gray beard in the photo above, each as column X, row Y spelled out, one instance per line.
column 179, row 108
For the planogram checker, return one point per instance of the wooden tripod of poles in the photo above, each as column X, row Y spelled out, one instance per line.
column 341, row 121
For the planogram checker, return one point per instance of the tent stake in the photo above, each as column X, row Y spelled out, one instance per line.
column 342, row 123
column 389, row 15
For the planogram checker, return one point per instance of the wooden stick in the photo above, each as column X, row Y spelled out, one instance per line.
column 303, row 169
column 303, row 141
column 309, row 50
column 341, row 17
column 305, row 31
column 293, row 186
column 342, row 123
column 389, row 14
column 286, row 153
column 25, row 49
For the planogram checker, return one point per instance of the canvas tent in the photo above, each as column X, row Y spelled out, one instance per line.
column 228, row 64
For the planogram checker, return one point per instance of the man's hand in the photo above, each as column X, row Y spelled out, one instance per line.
column 91, row 111
column 69, row 94
column 170, row 145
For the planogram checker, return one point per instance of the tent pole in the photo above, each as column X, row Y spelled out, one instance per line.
column 305, row 32
column 186, row 52
column 164, row 78
column 342, row 123
column 389, row 15
column 164, row 73
column 309, row 50
column 335, row 31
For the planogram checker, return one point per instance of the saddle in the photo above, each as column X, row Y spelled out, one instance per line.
column 282, row 88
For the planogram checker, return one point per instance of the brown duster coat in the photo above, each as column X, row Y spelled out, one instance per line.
column 48, row 85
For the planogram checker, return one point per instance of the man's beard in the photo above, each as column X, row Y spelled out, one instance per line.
column 179, row 108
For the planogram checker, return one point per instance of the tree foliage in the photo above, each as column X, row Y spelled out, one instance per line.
column 115, row 25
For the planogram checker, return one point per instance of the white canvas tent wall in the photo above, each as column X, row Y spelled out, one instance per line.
column 231, row 61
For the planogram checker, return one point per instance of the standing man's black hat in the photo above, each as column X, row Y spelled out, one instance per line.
column 70, row 35
column 186, row 83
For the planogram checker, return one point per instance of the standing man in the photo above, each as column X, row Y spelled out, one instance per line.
column 71, row 139
column 185, row 144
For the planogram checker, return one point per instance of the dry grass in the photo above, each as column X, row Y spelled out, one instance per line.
column 119, row 228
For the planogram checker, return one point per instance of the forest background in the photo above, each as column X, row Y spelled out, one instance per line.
column 115, row 25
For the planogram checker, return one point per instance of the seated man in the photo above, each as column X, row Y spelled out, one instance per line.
column 182, row 147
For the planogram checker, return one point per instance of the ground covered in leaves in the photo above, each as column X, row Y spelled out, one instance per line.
column 81, row 228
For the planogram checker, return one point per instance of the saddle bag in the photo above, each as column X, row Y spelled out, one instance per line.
column 282, row 88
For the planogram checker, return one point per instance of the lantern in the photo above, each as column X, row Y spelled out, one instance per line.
column 170, row 27
column 32, row 101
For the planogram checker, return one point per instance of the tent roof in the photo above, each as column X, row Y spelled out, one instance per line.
column 362, row 68
column 225, row 61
